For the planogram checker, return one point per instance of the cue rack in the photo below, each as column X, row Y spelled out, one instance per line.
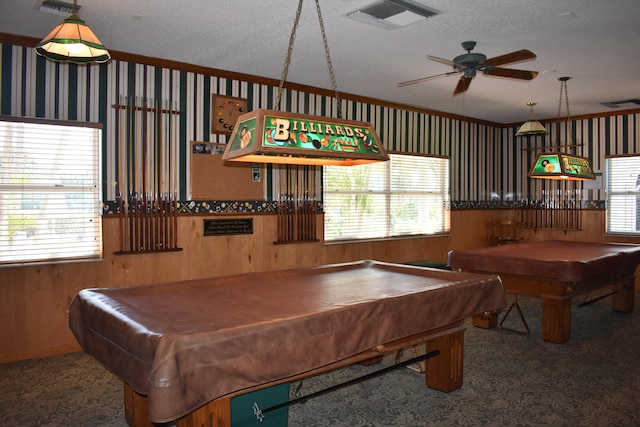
column 146, row 172
column 297, row 202
column 557, row 205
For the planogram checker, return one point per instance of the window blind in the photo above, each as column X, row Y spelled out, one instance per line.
column 623, row 195
column 408, row 195
column 49, row 192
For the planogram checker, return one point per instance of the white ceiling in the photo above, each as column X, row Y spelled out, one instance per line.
column 594, row 42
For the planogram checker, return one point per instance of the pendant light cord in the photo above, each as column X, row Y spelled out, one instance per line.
column 287, row 60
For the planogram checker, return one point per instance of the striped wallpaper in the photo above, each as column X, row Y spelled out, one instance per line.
column 488, row 164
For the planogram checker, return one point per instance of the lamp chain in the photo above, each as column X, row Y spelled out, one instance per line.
column 287, row 60
column 334, row 85
column 563, row 87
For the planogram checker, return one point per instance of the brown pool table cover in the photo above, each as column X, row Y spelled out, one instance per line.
column 186, row 343
column 567, row 261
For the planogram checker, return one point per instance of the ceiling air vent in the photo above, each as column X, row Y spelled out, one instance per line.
column 617, row 104
column 392, row 14
column 55, row 7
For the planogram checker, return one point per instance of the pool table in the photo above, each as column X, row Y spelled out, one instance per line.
column 184, row 348
column 556, row 271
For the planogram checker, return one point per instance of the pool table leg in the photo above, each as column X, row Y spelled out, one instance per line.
column 556, row 319
column 216, row 413
column 624, row 295
column 486, row 320
column 444, row 372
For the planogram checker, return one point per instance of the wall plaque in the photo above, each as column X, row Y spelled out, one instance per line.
column 225, row 227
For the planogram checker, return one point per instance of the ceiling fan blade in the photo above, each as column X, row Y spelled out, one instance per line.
column 424, row 79
column 441, row 60
column 463, row 85
column 511, row 58
column 509, row 73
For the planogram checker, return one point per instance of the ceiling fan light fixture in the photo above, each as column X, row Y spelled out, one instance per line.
column 73, row 41
column 531, row 126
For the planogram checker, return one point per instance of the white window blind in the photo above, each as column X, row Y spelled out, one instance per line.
column 49, row 192
column 623, row 195
column 408, row 195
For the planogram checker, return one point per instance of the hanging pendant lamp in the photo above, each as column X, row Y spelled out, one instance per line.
column 562, row 165
column 273, row 136
column 531, row 126
column 73, row 41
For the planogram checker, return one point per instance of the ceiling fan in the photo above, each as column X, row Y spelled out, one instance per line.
column 470, row 63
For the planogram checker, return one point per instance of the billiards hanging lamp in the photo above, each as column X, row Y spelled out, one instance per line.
column 73, row 41
column 273, row 136
column 562, row 166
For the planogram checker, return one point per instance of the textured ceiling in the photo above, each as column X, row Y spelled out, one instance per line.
column 594, row 42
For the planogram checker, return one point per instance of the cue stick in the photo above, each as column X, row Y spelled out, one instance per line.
column 163, row 240
column 279, row 207
column 135, row 175
column 540, row 208
column 156, row 169
column 300, row 202
column 156, row 189
column 294, row 201
column 131, row 177
column 305, row 203
column 159, row 176
column 174, row 226
column 117, row 176
column 299, row 198
column 259, row 413
column 285, row 188
column 169, row 230
column 290, row 209
column 152, row 172
column 288, row 201
column 175, row 219
column 146, row 177
column 285, row 205
column 314, row 185
column 309, row 204
column 279, row 212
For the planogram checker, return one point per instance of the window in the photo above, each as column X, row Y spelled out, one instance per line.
column 408, row 195
column 623, row 195
column 49, row 191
